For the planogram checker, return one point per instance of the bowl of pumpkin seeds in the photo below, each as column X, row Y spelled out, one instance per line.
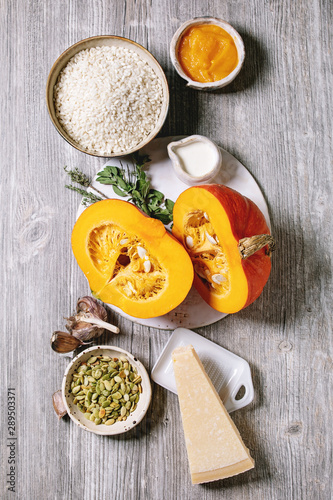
column 106, row 390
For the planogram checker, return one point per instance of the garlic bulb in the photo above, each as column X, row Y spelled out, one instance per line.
column 89, row 322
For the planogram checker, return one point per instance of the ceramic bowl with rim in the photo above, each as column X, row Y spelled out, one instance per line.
column 229, row 29
column 99, row 41
column 118, row 427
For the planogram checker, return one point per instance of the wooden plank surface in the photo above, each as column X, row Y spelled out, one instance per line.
column 276, row 118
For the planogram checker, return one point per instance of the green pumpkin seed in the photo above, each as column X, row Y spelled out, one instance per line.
column 98, row 421
column 111, row 421
column 107, row 385
column 116, row 395
column 115, row 388
column 92, row 360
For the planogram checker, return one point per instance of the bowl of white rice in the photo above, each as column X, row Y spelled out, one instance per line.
column 107, row 96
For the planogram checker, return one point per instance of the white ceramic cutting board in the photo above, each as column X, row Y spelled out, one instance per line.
column 227, row 371
column 193, row 312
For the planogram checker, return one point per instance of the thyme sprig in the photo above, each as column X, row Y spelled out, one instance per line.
column 88, row 198
column 78, row 177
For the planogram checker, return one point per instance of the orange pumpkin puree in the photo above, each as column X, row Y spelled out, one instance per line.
column 207, row 53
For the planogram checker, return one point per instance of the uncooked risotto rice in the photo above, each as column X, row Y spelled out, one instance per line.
column 108, row 99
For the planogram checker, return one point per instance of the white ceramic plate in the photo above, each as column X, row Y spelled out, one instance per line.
column 227, row 371
column 118, row 427
column 193, row 312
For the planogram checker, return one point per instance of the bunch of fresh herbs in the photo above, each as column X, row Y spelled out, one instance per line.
column 133, row 184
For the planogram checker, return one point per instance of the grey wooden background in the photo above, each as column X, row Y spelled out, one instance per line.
column 276, row 118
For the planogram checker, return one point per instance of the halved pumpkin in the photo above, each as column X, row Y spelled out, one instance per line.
column 227, row 238
column 130, row 260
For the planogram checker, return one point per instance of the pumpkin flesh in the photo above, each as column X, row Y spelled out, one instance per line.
column 130, row 260
column 210, row 220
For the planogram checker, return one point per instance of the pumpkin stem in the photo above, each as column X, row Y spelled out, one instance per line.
column 249, row 246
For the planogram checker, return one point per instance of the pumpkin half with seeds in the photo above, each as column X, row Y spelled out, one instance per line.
column 130, row 260
column 228, row 240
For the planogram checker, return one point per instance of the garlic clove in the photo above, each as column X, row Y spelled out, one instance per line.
column 90, row 321
column 64, row 342
column 58, row 404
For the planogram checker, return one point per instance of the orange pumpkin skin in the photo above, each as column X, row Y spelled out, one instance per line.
column 231, row 217
column 130, row 260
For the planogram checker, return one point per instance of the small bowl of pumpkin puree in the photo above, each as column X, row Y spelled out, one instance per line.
column 207, row 52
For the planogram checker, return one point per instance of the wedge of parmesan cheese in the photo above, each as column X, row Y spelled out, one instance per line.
column 214, row 446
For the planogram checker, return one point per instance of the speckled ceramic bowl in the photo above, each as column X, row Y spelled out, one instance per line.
column 118, row 427
column 98, row 41
column 229, row 29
